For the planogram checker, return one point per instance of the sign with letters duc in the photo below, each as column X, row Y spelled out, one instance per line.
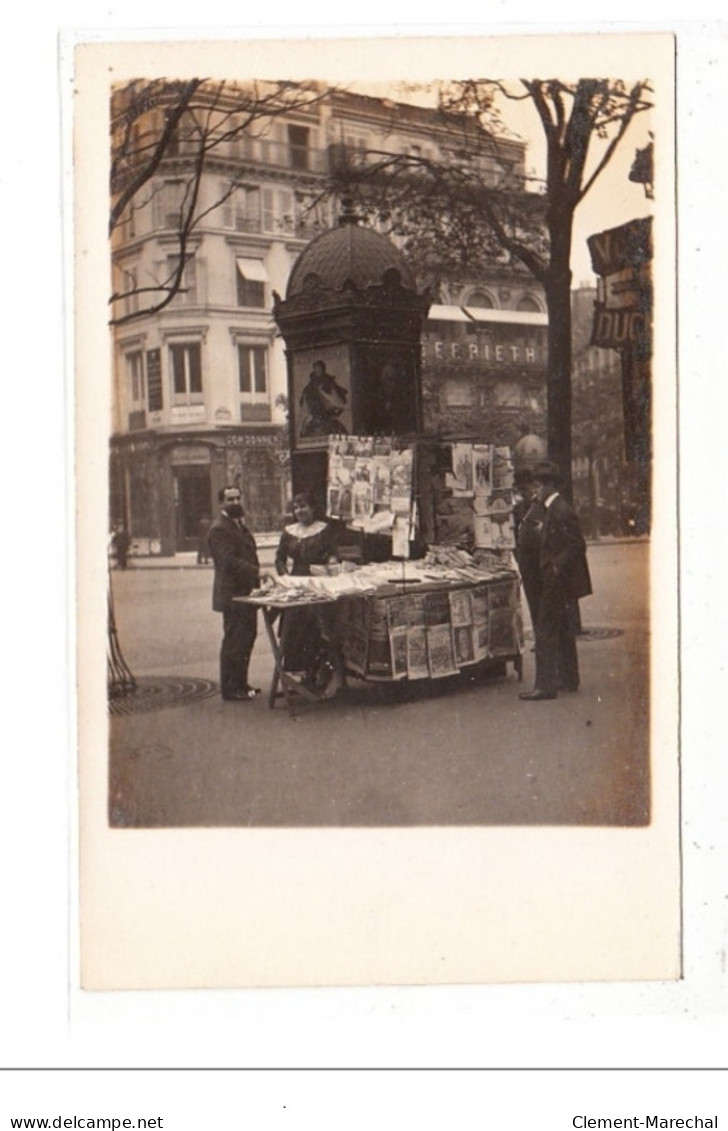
column 622, row 257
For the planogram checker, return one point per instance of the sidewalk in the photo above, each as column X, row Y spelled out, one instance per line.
column 267, row 544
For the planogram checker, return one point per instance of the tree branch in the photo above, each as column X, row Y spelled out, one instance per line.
column 159, row 152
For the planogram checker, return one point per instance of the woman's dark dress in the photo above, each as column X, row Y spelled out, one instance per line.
column 301, row 629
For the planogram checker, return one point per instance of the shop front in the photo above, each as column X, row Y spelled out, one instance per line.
column 164, row 486
column 484, row 371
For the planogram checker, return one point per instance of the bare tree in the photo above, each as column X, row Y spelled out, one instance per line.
column 189, row 125
column 477, row 203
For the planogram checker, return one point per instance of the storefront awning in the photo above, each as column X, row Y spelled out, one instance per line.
column 513, row 317
column 253, row 269
column 438, row 313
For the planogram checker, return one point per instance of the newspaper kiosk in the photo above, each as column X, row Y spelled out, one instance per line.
column 427, row 585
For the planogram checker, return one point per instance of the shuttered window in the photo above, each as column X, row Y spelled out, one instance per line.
column 186, row 368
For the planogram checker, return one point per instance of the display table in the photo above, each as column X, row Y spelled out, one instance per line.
column 290, row 684
column 406, row 631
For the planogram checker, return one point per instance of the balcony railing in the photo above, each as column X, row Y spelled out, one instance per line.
column 280, row 154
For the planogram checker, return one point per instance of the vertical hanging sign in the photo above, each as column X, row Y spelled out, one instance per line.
column 154, row 380
column 622, row 258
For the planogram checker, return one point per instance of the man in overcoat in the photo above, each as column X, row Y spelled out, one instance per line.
column 529, row 515
column 563, row 575
column 237, row 573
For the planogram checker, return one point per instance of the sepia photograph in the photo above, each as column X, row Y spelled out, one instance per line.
column 377, row 598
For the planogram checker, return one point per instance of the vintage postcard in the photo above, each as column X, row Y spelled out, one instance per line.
column 317, row 281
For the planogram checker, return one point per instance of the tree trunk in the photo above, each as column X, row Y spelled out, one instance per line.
column 593, row 512
column 558, row 381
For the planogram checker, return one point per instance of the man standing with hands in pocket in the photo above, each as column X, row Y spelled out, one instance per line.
column 563, row 577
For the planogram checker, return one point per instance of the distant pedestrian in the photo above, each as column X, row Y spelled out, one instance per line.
column 563, row 576
column 120, row 543
column 237, row 573
column 203, row 548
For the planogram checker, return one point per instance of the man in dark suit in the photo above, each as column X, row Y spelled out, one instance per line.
column 237, row 573
column 529, row 515
column 563, row 576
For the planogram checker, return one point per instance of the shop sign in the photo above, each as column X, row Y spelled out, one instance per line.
column 621, row 257
column 188, row 414
column 628, row 246
column 189, row 454
column 623, row 290
column 470, row 351
column 136, row 447
column 619, row 329
column 485, row 348
column 251, row 440
column 154, row 380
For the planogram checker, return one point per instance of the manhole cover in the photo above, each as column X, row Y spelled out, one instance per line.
column 588, row 634
column 157, row 692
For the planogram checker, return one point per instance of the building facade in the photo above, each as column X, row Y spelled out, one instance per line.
column 200, row 380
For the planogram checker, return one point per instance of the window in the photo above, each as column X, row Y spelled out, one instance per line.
column 253, row 371
column 168, row 204
column 135, row 385
column 241, row 208
column 187, row 293
column 480, row 300
column 253, row 381
column 129, row 222
column 459, row 392
column 278, row 212
column 528, row 304
column 182, row 138
column 509, row 394
column 251, row 279
column 356, row 141
column 129, row 284
column 186, row 367
column 312, row 214
column 272, row 145
column 135, row 376
column 298, row 145
column 236, row 144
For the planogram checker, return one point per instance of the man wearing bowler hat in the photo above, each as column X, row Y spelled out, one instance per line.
column 563, row 578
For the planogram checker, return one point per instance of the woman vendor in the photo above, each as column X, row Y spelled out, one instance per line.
column 304, row 635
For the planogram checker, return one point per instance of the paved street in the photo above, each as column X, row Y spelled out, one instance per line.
column 452, row 752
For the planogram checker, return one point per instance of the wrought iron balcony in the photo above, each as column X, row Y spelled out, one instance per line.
column 279, row 154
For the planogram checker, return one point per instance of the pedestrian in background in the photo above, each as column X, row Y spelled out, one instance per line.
column 203, row 548
column 563, row 576
column 121, row 543
column 237, row 573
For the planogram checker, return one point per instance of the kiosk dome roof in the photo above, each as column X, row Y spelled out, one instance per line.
column 349, row 253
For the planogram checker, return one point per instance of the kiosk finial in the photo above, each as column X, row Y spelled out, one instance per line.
column 348, row 214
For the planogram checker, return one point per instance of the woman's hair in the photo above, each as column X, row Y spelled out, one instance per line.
column 305, row 498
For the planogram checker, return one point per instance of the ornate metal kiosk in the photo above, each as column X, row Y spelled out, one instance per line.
column 413, row 608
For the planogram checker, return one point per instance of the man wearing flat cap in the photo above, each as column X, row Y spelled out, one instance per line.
column 563, row 578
